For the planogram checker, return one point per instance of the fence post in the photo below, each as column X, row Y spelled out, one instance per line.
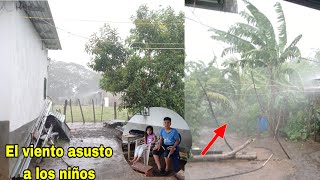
column 102, row 104
column 65, row 109
column 81, row 111
column 71, row 111
column 115, row 110
column 94, row 112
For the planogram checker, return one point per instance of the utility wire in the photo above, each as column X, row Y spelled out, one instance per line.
column 113, row 42
column 93, row 20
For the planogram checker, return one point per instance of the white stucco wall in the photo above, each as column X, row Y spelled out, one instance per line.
column 23, row 67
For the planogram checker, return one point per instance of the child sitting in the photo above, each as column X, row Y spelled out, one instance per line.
column 149, row 138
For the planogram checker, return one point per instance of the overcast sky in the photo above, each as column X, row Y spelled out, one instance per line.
column 83, row 17
column 299, row 19
column 77, row 20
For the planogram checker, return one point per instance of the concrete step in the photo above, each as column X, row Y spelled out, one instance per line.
column 147, row 170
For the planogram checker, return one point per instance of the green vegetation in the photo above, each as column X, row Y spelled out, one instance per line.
column 146, row 69
column 108, row 113
column 262, row 74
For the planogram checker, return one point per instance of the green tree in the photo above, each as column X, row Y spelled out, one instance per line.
column 259, row 47
column 148, row 68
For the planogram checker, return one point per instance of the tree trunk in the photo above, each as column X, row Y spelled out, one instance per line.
column 214, row 116
column 308, row 120
column 229, row 155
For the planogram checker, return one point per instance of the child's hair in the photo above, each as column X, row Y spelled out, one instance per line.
column 146, row 134
column 167, row 119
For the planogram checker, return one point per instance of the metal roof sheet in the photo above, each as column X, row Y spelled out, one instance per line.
column 40, row 15
column 217, row 5
column 314, row 4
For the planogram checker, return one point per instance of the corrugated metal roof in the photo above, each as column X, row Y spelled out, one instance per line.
column 40, row 15
column 217, row 5
column 58, row 115
column 314, row 4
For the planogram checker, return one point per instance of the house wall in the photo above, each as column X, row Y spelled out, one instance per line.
column 23, row 67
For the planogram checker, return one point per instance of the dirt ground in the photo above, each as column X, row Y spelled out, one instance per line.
column 92, row 135
column 304, row 162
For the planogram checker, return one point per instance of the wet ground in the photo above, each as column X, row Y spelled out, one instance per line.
column 304, row 162
column 93, row 135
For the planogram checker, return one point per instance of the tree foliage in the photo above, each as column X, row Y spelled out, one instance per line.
column 146, row 69
column 70, row 80
column 267, row 79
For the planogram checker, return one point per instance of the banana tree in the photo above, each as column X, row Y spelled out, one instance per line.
column 259, row 47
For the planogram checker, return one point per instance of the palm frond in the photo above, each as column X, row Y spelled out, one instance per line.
column 219, row 99
column 264, row 24
column 282, row 27
column 251, row 33
column 240, row 44
column 291, row 71
column 248, row 17
column 292, row 50
column 256, row 54
column 229, row 50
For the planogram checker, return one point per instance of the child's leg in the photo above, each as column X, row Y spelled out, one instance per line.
column 136, row 151
column 175, row 160
column 140, row 152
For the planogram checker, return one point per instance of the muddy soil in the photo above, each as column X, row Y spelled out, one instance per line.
column 304, row 162
column 92, row 135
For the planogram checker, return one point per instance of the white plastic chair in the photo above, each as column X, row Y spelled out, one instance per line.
column 146, row 152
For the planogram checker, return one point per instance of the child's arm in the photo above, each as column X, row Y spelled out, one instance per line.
column 154, row 139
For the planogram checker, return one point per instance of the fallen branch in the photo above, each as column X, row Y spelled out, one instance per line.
column 214, row 116
column 229, row 155
column 282, row 147
column 246, row 172
column 247, row 156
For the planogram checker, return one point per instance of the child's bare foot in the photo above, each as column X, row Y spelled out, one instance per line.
column 136, row 160
column 132, row 160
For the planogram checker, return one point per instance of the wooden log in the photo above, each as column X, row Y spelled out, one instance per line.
column 147, row 170
column 247, row 156
column 214, row 157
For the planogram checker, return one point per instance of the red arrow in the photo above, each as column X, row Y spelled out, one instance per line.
column 219, row 132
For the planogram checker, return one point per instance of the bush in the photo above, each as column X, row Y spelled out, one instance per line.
column 296, row 128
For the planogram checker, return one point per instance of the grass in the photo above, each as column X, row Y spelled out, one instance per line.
column 108, row 113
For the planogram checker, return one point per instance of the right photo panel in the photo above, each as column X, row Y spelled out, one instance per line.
column 252, row 89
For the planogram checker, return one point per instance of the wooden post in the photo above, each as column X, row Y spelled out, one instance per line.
column 81, row 111
column 4, row 140
column 315, row 124
column 71, row 111
column 65, row 109
column 115, row 110
column 102, row 110
column 308, row 121
column 94, row 112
